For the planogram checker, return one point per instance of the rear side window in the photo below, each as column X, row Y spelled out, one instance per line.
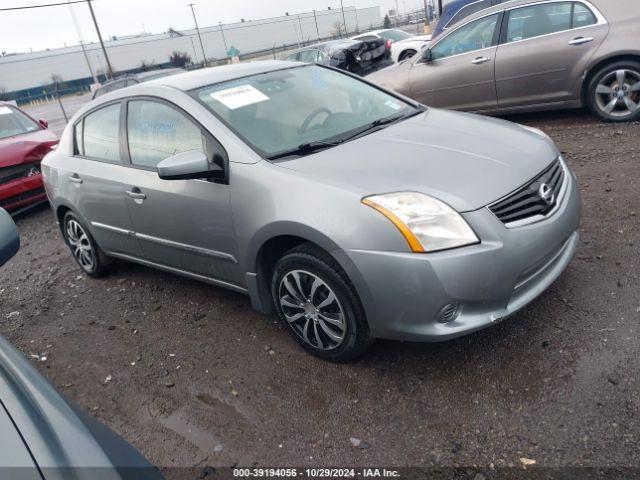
column 100, row 135
column 156, row 131
column 537, row 20
column 582, row 16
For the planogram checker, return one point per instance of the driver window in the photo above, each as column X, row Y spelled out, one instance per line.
column 156, row 131
column 473, row 36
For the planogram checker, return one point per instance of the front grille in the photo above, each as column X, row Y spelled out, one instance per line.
column 8, row 174
column 534, row 201
column 23, row 196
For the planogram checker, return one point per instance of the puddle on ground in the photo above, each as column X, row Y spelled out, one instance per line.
column 179, row 423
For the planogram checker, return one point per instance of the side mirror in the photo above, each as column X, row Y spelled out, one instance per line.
column 427, row 56
column 9, row 238
column 43, row 123
column 188, row 165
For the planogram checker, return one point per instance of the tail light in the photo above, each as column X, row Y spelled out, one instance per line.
column 389, row 42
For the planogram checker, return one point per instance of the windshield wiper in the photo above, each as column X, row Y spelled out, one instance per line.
column 303, row 148
column 374, row 126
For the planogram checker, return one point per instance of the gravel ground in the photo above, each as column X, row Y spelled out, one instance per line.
column 198, row 378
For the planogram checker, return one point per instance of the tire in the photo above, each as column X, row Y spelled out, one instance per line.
column 406, row 54
column 607, row 100
column 83, row 247
column 336, row 330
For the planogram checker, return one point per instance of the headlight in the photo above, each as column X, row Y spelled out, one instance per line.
column 426, row 223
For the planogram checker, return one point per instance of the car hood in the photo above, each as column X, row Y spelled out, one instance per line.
column 463, row 159
column 63, row 441
column 26, row 148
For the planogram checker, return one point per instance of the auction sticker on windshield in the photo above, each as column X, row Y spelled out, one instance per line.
column 237, row 97
column 5, row 111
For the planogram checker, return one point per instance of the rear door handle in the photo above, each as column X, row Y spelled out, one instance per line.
column 480, row 60
column 580, row 40
column 136, row 193
column 75, row 178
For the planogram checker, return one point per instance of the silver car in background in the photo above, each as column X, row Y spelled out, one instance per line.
column 526, row 55
column 352, row 211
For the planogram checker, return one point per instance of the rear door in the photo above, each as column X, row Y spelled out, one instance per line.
column 544, row 51
column 94, row 179
column 460, row 74
column 183, row 224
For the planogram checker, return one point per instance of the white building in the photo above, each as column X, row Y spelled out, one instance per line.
column 29, row 70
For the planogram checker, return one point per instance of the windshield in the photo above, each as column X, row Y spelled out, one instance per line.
column 280, row 110
column 14, row 122
column 394, row 35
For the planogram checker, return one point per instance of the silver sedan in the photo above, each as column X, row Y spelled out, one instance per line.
column 353, row 212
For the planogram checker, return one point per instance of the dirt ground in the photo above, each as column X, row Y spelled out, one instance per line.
column 197, row 378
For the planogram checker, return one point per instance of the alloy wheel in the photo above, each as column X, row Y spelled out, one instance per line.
column 618, row 93
column 80, row 245
column 312, row 309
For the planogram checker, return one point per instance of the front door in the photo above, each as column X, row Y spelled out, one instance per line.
column 544, row 52
column 183, row 224
column 460, row 74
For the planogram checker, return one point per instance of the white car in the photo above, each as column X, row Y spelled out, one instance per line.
column 403, row 45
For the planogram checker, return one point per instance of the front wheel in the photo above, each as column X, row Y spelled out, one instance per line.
column 614, row 92
column 316, row 301
column 406, row 54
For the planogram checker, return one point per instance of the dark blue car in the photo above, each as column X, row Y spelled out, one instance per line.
column 457, row 10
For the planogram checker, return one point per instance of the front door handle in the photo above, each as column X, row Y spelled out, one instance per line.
column 480, row 60
column 136, row 194
column 75, row 178
column 580, row 41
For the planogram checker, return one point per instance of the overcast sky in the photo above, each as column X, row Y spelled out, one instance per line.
column 52, row 27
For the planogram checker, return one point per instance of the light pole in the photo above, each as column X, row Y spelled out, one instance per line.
column 204, row 55
column 224, row 40
column 84, row 50
column 344, row 20
column 104, row 50
column 427, row 26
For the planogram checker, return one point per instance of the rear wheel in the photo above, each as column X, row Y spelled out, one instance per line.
column 316, row 301
column 83, row 247
column 614, row 92
column 406, row 54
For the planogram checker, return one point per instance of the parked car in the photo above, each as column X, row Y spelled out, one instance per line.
column 360, row 57
column 457, row 10
column 401, row 44
column 24, row 141
column 44, row 436
column 524, row 56
column 129, row 80
column 352, row 211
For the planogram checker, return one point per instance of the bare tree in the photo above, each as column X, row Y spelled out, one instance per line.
column 179, row 59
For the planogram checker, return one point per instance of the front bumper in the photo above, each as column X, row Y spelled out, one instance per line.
column 404, row 293
column 22, row 193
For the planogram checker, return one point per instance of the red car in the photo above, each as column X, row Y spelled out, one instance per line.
column 23, row 143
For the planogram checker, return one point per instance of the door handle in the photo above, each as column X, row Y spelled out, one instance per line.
column 75, row 178
column 136, row 193
column 480, row 60
column 580, row 41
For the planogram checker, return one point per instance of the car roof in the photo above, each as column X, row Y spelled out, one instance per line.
column 208, row 76
column 611, row 10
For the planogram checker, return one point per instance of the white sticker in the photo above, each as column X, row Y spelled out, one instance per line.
column 237, row 97
column 5, row 111
column 393, row 104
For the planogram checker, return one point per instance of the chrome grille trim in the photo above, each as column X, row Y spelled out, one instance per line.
column 525, row 206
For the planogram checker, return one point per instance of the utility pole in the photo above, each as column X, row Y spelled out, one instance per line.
column 84, row 50
column 204, row 55
column 315, row 19
column 344, row 20
column 104, row 50
column 427, row 26
column 224, row 41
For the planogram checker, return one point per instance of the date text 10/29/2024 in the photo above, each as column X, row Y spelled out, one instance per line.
column 315, row 473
